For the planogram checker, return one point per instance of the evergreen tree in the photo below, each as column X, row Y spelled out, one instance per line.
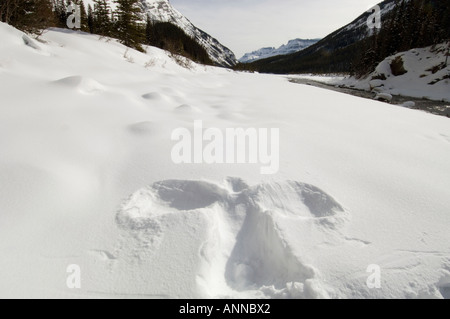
column 445, row 22
column 129, row 32
column 102, row 20
column 84, row 17
column 28, row 15
column 90, row 19
column 406, row 28
column 416, row 20
column 60, row 13
column 148, row 31
column 8, row 9
column 170, row 37
column 394, row 32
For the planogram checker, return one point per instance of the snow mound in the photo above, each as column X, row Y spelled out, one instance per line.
column 158, row 98
column 409, row 104
column 384, row 97
column 142, row 128
column 187, row 109
column 152, row 96
column 10, row 36
column 246, row 248
column 32, row 44
column 81, row 84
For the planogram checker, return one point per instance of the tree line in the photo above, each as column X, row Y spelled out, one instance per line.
column 411, row 24
column 125, row 23
column 27, row 15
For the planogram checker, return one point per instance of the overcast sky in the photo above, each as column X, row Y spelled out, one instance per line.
column 247, row 25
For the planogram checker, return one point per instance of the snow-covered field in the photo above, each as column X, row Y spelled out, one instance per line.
column 87, row 179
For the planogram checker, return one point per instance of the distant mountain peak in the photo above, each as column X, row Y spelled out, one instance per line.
column 163, row 11
column 292, row 46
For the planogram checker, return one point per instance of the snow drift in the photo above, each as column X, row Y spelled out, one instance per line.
column 85, row 122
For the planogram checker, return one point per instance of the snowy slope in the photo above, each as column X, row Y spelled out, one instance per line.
column 86, row 178
column 291, row 47
column 423, row 75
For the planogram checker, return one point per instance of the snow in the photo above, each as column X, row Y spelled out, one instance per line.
column 420, row 80
column 87, row 179
column 426, row 76
column 328, row 78
column 409, row 104
column 384, row 97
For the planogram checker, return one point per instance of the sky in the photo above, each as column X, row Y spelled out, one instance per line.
column 248, row 25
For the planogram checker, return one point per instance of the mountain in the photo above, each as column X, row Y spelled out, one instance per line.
column 291, row 47
column 163, row 11
column 334, row 53
column 357, row 49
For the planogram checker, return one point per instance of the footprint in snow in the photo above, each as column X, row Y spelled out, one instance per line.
column 142, row 128
column 186, row 109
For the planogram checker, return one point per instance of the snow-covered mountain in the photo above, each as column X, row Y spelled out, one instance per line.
column 291, row 47
column 311, row 59
column 163, row 11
